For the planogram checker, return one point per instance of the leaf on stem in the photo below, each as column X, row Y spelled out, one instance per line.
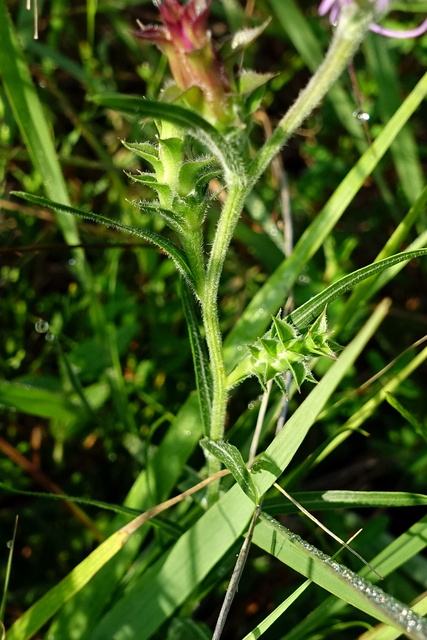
column 231, row 458
column 171, row 249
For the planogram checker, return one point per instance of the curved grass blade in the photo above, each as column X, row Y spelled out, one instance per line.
column 310, row 309
column 179, row 116
column 171, row 249
column 48, row 604
column 56, row 496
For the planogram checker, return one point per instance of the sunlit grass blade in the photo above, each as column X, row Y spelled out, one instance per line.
column 253, row 322
column 265, row 624
column 384, row 632
column 386, row 562
column 337, row 579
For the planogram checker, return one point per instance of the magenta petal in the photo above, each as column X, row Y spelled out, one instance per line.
column 325, row 6
column 402, row 34
column 154, row 33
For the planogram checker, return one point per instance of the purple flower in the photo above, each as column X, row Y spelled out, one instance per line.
column 185, row 39
column 333, row 7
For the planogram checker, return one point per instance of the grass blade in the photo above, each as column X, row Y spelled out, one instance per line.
column 348, row 586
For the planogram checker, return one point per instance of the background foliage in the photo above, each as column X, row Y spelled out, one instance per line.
column 89, row 404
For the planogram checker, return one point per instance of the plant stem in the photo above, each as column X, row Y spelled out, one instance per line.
column 352, row 27
column 209, row 300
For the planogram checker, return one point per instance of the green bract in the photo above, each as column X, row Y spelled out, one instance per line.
column 283, row 349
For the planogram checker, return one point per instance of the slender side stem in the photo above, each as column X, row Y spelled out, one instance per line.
column 209, row 300
column 353, row 25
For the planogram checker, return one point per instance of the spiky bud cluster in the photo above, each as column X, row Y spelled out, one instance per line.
column 283, row 349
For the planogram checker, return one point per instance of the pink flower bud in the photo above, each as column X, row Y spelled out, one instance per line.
column 185, row 39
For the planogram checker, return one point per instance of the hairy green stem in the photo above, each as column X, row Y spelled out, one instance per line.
column 224, row 232
column 353, row 25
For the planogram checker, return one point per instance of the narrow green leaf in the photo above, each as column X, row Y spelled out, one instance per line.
column 55, row 496
column 408, row 414
column 232, row 459
column 332, row 500
column 200, row 361
column 171, row 249
column 309, row 310
column 40, row 612
column 30, row 117
column 348, row 586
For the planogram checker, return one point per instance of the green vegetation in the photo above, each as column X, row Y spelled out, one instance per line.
column 139, row 346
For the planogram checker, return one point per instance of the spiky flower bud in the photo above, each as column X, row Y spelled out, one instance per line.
column 284, row 349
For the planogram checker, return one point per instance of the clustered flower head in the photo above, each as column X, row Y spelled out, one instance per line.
column 185, row 39
column 333, row 7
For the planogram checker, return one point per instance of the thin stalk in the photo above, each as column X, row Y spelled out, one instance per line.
column 353, row 25
column 223, row 235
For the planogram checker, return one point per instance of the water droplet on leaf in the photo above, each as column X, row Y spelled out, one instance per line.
column 41, row 326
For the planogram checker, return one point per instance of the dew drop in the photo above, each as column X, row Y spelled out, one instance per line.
column 72, row 262
column 41, row 326
column 187, row 432
column 239, row 348
column 361, row 115
column 49, row 337
column 9, row 544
